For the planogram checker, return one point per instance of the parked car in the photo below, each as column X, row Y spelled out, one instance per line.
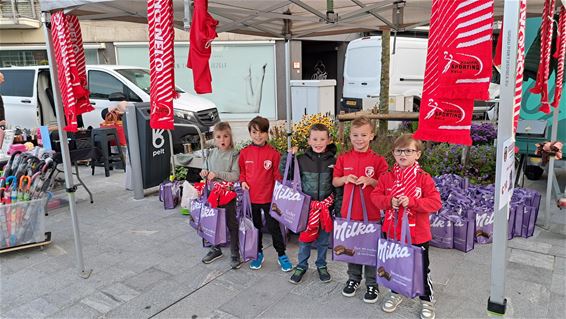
column 28, row 99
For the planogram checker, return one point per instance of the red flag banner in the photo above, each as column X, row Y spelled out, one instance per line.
column 67, row 73
column 161, row 63
column 443, row 120
column 81, row 92
column 203, row 31
column 464, row 61
column 541, row 84
column 520, row 64
column 559, row 54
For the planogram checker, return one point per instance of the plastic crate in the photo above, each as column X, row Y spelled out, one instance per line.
column 22, row 223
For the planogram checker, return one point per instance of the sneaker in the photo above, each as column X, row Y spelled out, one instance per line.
column 285, row 263
column 427, row 311
column 391, row 302
column 235, row 262
column 350, row 289
column 371, row 294
column 297, row 275
column 256, row 263
column 213, row 254
column 323, row 274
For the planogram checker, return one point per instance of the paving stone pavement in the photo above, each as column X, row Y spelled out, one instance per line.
column 146, row 263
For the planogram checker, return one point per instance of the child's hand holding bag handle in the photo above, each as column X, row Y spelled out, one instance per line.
column 289, row 205
column 248, row 234
column 399, row 263
column 355, row 241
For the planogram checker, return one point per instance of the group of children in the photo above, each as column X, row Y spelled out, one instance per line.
column 403, row 189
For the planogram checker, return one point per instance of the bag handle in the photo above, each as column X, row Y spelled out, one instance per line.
column 405, row 229
column 364, row 210
column 296, row 176
column 287, row 167
column 246, row 205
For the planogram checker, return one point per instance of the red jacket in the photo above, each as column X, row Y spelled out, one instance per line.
column 367, row 163
column 259, row 167
column 429, row 202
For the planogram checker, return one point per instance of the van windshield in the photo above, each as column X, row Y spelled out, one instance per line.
column 140, row 77
column 363, row 62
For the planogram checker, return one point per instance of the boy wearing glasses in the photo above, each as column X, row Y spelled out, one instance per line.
column 360, row 167
column 408, row 189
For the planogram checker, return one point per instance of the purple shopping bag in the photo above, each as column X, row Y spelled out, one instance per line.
column 442, row 231
column 248, row 234
column 400, row 264
column 464, row 231
column 170, row 194
column 290, row 206
column 355, row 241
column 484, row 225
column 511, row 222
column 212, row 224
column 194, row 215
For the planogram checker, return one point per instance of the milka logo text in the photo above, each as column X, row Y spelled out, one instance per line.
column 348, row 230
column 441, row 222
column 281, row 192
column 484, row 219
column 387, row 250
column 207, row 212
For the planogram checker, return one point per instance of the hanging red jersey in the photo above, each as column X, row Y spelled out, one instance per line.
column 203, row 31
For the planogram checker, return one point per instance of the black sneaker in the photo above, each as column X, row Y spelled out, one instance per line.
column 371, row 294
column 235, row 262
column 297, row 275
column 323, row 274
column 350, row 289
column 213, row 254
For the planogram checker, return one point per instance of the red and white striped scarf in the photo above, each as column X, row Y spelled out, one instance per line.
column 405, row 184
column 161, row 63
column 319, row 217
column 541, row 84
column 83, row 102
column 559, row 54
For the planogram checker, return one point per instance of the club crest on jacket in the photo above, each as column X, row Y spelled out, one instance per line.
column 369, row 171
column 267, row 164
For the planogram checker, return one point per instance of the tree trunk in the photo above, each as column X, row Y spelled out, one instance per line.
column 384, row 83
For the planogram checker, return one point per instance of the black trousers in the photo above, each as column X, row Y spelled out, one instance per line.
column 232, row 224
column 272, row 226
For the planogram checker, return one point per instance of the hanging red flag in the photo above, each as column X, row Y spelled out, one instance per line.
column 541, row 84
column 81, row 92
column 520, row 64
column 161, row 63
column 67, row 73
column 559, row 54
column 464, row 51
column 203, row 31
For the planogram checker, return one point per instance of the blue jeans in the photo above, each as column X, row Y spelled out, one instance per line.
column 321, row 244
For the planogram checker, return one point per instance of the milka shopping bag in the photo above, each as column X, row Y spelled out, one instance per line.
column 248, row 234
column 196, row 207
column 442, row 230
column 355, row 241
column 464, row 231
column 212, row 224
column 400, row 264
column 484, row 225
column 289, row 205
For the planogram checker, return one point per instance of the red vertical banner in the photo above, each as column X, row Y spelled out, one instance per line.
column 161, row 63
column 65, row 64
column 80, row 85
column 520, row 64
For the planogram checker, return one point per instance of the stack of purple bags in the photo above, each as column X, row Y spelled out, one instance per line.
column 467, row 213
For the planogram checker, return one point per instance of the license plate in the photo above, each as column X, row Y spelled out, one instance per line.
column 352, row 103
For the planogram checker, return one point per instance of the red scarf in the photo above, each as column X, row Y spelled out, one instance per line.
column 541, row 84
column 559, row 54
column 405, row 184
column 222, row 193
column 520, row 64
column 161, row 63
column 203, row 31
column 319, row 216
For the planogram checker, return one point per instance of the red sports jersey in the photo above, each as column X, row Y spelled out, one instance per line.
column 420, row 208
column 203, row 31
column 360, row 164
column 259, row 167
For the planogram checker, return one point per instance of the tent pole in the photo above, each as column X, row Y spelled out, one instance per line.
column 69, row 182
column 550, row 176
column 287, row 87
column 497, row 303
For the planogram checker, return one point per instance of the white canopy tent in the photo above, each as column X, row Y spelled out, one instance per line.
column 310, row 18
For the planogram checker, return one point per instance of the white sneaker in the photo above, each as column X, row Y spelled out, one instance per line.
column 427, row 311
column 391, row 302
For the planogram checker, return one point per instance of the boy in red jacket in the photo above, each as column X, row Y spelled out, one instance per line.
column 409, row 189
column 259, row 169
column 360, row 166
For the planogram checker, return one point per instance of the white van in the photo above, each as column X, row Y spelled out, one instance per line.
column 28, row 98
column 362, row 69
